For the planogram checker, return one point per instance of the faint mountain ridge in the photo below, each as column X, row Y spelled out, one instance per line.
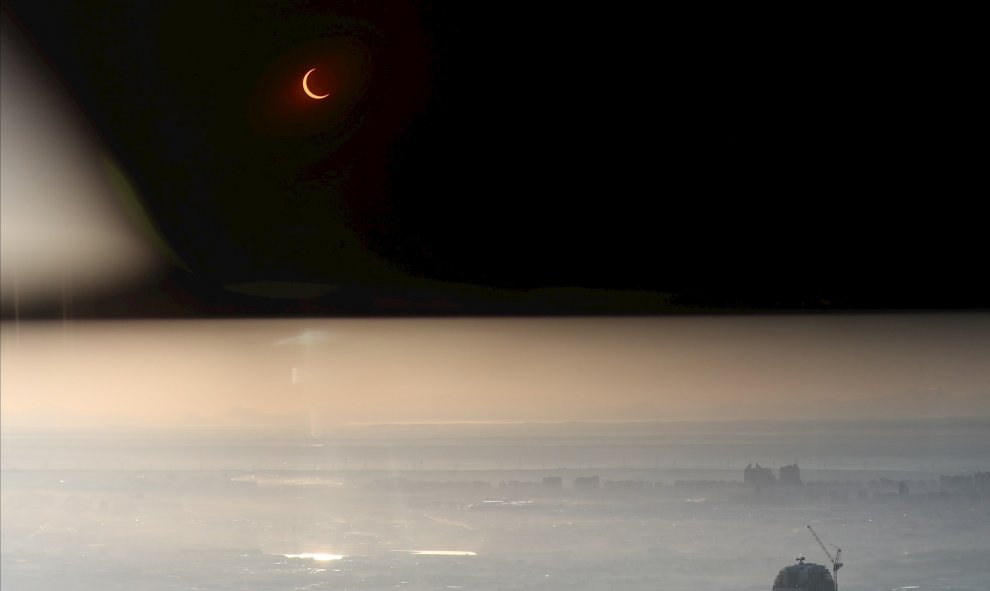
column 55, row 418
column 907, row 405
column 910, row 404
column 919, row 404
column 237, row 417
column 243, row 416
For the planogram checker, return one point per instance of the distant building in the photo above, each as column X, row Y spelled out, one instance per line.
column 790, row 475
column 758, row 476
column 519, row 485
column 586, row 483
column 626, row 485
column 553, row 482
column 961, row 482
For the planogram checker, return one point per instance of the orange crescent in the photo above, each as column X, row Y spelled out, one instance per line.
column 307, row 90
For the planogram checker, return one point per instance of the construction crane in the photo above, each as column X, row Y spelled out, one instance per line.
column 835, row 560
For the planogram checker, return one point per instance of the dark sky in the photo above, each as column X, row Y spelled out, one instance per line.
column 506, row 159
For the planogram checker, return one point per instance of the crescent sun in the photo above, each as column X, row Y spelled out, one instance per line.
column 308, row 91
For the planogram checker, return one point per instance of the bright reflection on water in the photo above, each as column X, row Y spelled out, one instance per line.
column 315, row 556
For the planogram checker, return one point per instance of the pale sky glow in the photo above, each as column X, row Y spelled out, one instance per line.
column 394, row 370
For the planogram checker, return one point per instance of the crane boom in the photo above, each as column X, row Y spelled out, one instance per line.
column 821, row 543
column 835, row 560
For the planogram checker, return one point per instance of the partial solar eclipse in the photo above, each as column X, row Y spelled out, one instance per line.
column 309, row 92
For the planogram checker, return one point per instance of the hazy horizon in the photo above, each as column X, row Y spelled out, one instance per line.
column 339, row 372
column 564, row 453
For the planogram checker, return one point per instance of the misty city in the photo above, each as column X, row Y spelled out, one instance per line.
column 257, row 462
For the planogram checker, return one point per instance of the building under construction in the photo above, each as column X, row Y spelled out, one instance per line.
column 804, row 576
